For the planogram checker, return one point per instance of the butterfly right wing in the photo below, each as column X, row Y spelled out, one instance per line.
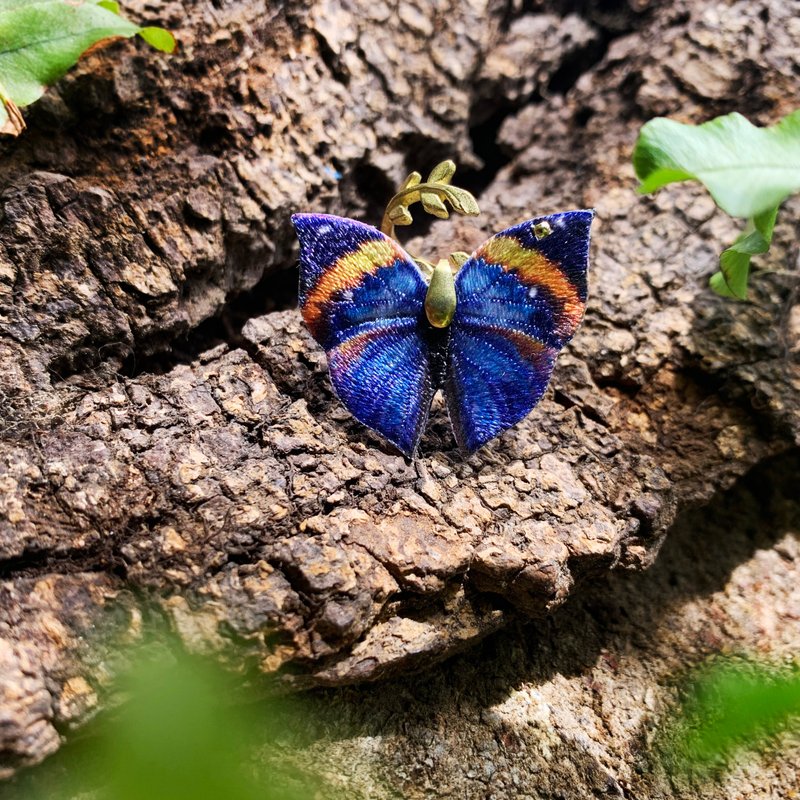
column 520, row 298
column 362, row 298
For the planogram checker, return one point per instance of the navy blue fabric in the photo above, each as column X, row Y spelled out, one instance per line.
column 567, row 245
column 393, row 292
column 487, row 294
column 387, row 386
column 491, row 385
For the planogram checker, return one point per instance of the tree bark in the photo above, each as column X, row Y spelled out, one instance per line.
column 170, row 439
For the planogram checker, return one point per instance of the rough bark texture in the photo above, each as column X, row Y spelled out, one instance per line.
column 570, row 709
column 169, row 435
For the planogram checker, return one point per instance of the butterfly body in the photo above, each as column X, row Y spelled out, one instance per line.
column 438, row 341
column 487, row 338
column 441, row 299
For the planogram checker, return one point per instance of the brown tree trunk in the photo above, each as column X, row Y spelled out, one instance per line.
column 168, row 434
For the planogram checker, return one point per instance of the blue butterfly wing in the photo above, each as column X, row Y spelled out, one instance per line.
column 362, row 298
column 519, row 301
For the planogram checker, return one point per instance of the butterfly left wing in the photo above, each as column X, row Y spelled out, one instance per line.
column 362, row 298
column 520, row 298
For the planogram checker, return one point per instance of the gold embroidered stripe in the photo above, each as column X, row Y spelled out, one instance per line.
column 346, row 273
column 532, row 268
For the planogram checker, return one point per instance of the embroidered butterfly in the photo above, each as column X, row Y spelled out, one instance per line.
column 488, row 337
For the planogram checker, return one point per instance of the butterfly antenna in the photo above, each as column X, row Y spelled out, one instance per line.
column 458, row 259
column 426, row 268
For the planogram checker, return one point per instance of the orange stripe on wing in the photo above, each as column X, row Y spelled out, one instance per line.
column 535, row 269
column 346, row 273
column 531, row 349
column 350, row 351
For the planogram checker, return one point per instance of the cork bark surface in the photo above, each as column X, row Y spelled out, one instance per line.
column 169, row 441
column 572, row 709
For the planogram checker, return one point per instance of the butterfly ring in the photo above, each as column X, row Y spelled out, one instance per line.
column 397, row 329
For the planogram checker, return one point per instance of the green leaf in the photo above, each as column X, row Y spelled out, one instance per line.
column 748, row 170
column 41, row 39
column 186, row 730
column 158, row 38
column 433, row 204
column 442, row 173
column 718, row 283
column 731, row 280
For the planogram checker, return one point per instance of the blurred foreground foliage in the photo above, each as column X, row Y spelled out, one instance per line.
column 731, row 707
column 181, row 732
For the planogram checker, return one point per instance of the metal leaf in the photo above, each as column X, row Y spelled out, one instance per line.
column 433, row 204
column 412, row 180
column 462, row 201
column 459, row 258
column 442, row 172
column 399, row 215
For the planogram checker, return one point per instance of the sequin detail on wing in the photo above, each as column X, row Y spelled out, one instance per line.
column 520, row 300
column 362, row 298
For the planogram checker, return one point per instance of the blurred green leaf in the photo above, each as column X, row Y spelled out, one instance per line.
column 182, row 732
column 158, row 38
column 41, row 39
column 729, row 707
column 177, row 739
